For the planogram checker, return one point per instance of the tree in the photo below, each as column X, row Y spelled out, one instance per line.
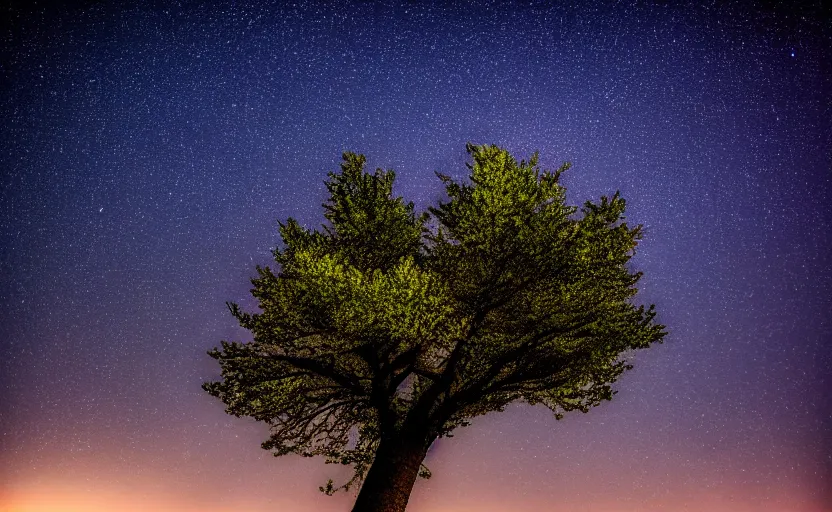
column 388, row 329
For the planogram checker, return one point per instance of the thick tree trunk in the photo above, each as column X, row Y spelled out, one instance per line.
column 390, row 479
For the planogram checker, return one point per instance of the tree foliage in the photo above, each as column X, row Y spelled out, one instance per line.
column 389, row 323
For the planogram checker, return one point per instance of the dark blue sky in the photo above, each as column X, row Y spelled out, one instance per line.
column 147, row 153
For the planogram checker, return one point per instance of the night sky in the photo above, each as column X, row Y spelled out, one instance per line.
column 147, row 153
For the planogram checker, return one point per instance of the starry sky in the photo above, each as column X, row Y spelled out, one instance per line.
column 148, row 151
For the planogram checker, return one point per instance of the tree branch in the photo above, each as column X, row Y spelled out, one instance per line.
column 323, row 370
column 487, row 384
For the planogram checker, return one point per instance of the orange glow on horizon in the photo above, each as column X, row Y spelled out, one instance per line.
column 65, row 498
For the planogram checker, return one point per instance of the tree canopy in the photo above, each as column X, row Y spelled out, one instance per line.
column 387, row 328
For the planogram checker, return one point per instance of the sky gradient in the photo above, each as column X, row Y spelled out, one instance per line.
column 147, row 153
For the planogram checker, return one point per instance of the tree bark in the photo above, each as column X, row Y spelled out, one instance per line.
column 390, row 479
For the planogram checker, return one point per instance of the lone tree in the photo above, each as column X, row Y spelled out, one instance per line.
column 388, row 329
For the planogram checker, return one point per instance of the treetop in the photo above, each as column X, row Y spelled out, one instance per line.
column 389, row 324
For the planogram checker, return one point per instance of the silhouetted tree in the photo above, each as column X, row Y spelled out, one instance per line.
column 387, row 329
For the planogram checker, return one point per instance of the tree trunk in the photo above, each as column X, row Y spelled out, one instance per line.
column 390, row 479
